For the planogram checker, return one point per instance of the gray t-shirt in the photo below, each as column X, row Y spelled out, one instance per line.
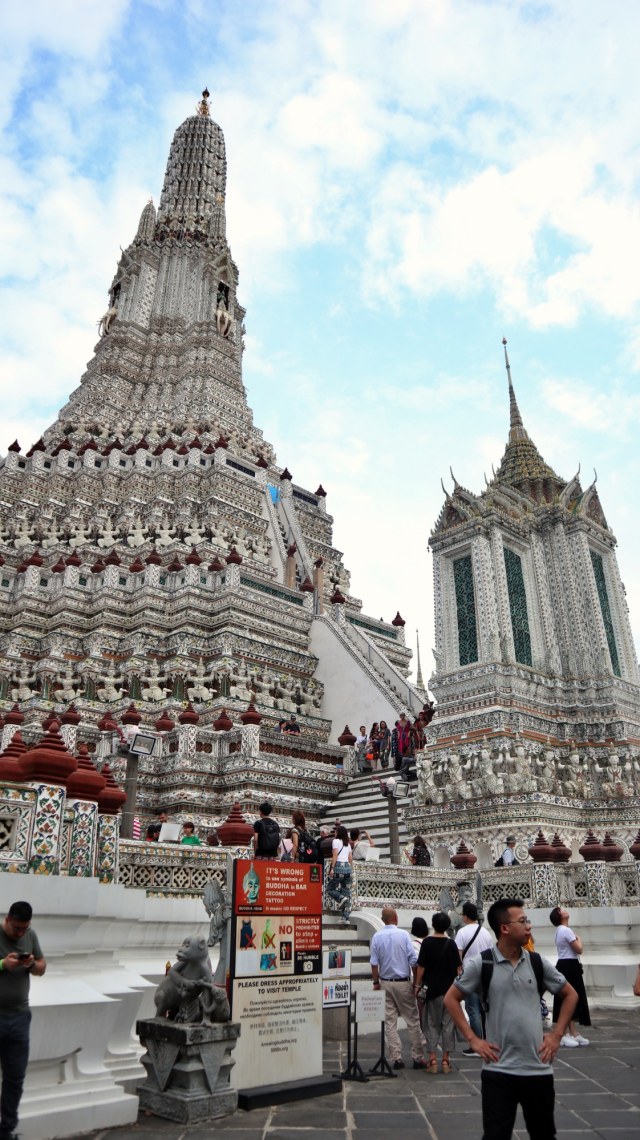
column 514, row 1022
column 14, row 984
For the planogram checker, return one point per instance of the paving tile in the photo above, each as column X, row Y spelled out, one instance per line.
column 366, row 1102
column 304, row 1114
column 255, row 1118
column 616, row 1134
column 392, row 1121
column 208, row 1130
column 587, row 1100
column 602, row 1118
column 302, row 1133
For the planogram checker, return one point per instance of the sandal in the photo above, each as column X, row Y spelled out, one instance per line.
column 432, row 1067
column 446, row 1067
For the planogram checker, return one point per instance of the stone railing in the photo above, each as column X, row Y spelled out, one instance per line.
column 537, row 884
column 170, row 870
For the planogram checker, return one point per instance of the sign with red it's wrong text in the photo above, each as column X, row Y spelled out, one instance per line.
column 276, row 970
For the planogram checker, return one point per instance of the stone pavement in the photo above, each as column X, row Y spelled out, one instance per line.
column 597, row 1095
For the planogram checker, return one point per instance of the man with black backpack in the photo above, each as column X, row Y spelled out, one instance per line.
column 517, row 1056
column 266, row 841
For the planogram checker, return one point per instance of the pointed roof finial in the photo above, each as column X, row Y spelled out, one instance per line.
column 419, row 679
column 202, row 107
column 516, row 426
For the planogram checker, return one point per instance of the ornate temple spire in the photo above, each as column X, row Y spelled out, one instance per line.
column 516, row 426
column 419, row 679
column 147, row 223
column 522, row 465
column 196, row 176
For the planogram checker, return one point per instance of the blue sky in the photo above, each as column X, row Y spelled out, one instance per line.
column 409, row 180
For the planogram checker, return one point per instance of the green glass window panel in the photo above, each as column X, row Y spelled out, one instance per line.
column 601, row 586
column 466, row 609
column 518, row 606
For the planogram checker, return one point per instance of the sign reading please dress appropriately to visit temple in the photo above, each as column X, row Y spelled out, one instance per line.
column 276, row 967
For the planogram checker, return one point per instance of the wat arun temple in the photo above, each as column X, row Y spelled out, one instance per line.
column 160, row 568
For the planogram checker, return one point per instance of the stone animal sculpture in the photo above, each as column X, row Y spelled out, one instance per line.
column 188, row 993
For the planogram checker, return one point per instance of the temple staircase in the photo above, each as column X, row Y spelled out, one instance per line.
column 361, row 804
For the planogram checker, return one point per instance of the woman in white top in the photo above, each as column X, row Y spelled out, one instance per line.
column 568, row 948
column 339, row 886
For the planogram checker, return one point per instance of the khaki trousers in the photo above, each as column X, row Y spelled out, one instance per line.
column 399, row 1001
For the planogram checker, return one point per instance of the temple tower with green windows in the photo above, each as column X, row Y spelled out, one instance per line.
column 536, row 673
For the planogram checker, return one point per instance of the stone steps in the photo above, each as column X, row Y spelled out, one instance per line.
column 360, row 804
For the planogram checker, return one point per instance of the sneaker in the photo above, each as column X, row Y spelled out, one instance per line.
column 399, row 1064
column 470, row 1053
column 569, row 1041
column 581, row 1040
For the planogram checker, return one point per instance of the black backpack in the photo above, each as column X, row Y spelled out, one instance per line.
column 307, row 848
column 487, row 974
column 500, row 862
column 269, row 840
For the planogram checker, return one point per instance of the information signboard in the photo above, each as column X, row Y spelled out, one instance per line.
column 370, row 1005
column 276, row 970
column 336, row 977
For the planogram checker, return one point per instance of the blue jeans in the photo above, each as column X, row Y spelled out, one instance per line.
column 339, row 887
column 14, row 1057
column 473, row 1008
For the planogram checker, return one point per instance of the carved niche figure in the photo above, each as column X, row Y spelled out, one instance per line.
column 455, row 787
column 199, row 690
column 223, row 321
column 518, row 774
column 109, row 686
column 488, row 782
column 614, row 784
column 24, row 683
column 546, row 772
column 153, row 690
column 69, row 684
column 428, row 791
column 106, row 321
column 575, row 776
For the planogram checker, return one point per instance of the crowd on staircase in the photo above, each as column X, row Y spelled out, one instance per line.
column 382, row 747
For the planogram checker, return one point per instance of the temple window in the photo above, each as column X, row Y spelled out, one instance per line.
column 605, row 609
column 466, row 610
column 518, row 606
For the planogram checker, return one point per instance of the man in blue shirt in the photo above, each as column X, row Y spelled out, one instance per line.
column 393, row 962
column 517, row 1055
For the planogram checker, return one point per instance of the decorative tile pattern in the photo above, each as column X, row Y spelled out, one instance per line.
column 518, row 606
column 47, row 830
column 601, row 584
column 84, row 834
column 466, row 610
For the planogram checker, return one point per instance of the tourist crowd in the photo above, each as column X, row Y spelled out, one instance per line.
column 382, row 747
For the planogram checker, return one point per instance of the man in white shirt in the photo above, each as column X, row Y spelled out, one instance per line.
column 393, row 962
column 509, row 853
column 471, row 940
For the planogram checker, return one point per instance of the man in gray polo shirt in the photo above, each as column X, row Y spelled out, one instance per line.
column 20, row 957
column 517, row 1055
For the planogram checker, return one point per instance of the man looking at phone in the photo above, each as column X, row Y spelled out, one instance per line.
column 20, row 956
